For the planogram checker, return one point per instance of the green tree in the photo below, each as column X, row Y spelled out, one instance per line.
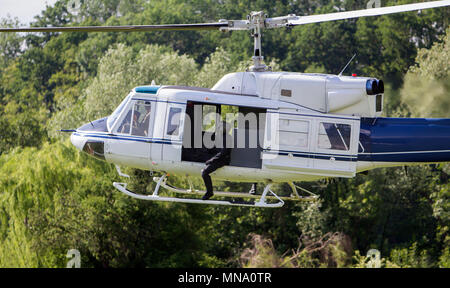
column 10, row 44
column 427, row 83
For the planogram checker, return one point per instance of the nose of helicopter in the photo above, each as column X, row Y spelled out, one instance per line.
column 78, row 141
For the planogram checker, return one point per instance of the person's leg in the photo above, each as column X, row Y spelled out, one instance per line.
column 207, row 179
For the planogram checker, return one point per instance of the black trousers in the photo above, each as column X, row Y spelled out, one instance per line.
column 210, row 168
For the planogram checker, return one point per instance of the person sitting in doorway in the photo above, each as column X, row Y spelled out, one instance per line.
column 222, row 158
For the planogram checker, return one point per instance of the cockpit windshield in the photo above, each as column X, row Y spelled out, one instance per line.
column 113, row 117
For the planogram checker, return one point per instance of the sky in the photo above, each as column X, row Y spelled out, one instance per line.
column 25, row 10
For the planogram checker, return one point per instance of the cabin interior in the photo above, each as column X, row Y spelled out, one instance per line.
column 247, row 133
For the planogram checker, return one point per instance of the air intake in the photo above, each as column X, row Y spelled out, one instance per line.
column 374, row 87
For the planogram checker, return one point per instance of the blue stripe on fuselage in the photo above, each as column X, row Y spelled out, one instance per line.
column 405, row 140
column 130, row 138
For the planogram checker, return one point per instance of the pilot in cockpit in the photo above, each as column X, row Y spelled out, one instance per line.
column 125, row 127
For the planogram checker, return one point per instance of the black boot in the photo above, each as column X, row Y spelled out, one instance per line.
column 207, row 195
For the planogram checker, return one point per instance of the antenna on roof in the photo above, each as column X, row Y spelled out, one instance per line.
column 340, row 74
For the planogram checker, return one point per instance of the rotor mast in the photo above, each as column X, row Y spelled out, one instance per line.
column 258, row 20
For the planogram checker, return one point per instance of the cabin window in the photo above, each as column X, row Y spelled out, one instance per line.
column 230, row 114
column 293, row 133
column 334, row 136
column 209, row 118
column 173, row 124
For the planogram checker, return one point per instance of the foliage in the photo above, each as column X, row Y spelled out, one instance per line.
column 430, row 77
column 311, row 220
column 79, row 209
column 9, row 43
column 330, row 250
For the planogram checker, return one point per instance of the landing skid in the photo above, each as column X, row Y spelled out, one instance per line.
column 268, row 194
column 261, row 203
column 161, row 182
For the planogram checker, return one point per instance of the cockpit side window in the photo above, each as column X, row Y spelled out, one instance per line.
column 141, row 118
column 137, row 120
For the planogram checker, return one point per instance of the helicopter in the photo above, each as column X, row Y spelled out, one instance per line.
column 284, row 127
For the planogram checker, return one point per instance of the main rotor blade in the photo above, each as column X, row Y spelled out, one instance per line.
column 128, row 28
column 301, row 20
column 277, row 22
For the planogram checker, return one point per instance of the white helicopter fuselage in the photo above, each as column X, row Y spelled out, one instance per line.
column 308, row 126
